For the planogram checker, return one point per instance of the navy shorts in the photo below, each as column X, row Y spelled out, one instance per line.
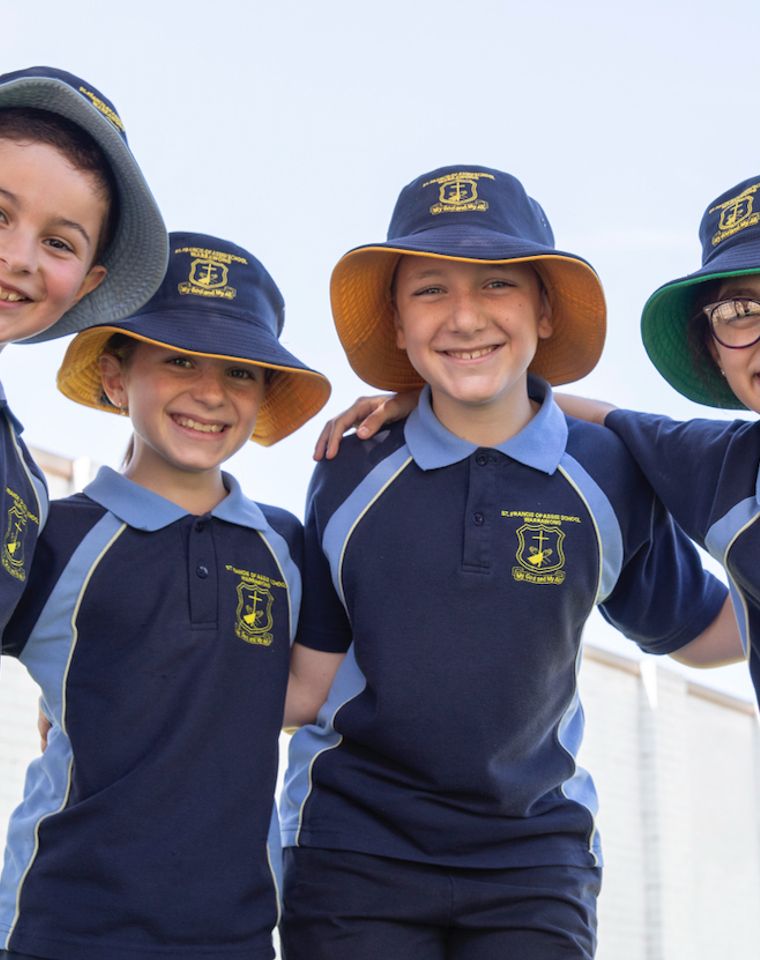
column 343, row 905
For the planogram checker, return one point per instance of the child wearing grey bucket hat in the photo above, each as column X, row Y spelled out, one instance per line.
column 702, row 332
column 453, row 560
column 158, row 623
column 81, row 242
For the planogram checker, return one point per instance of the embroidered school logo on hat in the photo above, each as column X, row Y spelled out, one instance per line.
column 108, row 112
column 209, row 272
column 736, row 214
column 13, row 552
column 458, row 192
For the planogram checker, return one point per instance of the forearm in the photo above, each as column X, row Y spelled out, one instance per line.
column 717, row 645
column 311, row 675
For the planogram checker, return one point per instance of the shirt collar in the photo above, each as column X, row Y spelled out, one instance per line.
column 145, row 510
column 540, row 444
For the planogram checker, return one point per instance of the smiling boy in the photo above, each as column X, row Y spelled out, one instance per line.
column 435, row 808
column 81, row 242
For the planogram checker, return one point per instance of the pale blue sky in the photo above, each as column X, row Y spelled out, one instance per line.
column 289, row 128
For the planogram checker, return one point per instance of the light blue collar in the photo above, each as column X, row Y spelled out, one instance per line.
column 145, row 510
column 540, row 444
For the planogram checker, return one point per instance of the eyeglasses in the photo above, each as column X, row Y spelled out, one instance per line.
column 734, row 323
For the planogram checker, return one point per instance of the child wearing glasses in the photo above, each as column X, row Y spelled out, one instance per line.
column 702, row 332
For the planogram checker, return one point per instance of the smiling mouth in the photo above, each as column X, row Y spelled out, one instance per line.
column 11, row 296
column 191, row 424
column 474, row 354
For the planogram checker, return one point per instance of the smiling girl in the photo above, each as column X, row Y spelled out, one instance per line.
column 158, row 624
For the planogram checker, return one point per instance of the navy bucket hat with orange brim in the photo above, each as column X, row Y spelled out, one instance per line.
column 472, row 214
column 730, row 236
column 217, row 300
column 137, row 254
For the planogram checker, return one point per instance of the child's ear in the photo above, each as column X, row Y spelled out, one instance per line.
column 95, row 276
column 545, row 325
column 112, row 378
column 400, row 338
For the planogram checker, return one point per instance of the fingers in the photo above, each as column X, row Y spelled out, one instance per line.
column 328, row 443
column 43, row 726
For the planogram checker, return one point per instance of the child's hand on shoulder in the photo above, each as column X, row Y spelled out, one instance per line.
column 368, row 415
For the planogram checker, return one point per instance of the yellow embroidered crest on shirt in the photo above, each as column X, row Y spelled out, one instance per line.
column 13, row 554
column 540, row 547
column 254, row 617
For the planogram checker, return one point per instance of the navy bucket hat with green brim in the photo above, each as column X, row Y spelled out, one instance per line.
column 137, row 254
column 730, row 237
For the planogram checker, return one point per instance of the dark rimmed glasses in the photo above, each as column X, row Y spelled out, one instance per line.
column 735, row 322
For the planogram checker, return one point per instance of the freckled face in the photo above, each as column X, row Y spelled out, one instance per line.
column 470, row 329
column 51, row 216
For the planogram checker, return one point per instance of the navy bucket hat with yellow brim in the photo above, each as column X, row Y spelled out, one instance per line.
column 468, row 214
column 136, row 255
column 730, row 237
column 217, row 300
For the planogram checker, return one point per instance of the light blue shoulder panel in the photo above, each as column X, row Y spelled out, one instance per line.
column 47, row 656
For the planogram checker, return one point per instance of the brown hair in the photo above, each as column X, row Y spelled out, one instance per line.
column 30, row 125
column 698, row 334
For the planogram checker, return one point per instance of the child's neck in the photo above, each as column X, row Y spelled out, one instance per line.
column 487, row 424
column 197, row 493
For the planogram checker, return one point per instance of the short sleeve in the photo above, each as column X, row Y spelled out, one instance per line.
column 323, row 624
column 698, row 468
column 664, row 598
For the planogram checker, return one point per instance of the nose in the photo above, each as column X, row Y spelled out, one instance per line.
column 209, row 386
column 467, row 315
column 17, row 251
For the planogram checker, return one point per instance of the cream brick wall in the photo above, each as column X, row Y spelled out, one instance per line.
column 677, row 768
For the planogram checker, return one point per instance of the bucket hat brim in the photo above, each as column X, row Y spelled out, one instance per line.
column 664, row 328
column 137, row 256
column 292, row 397
column 360, row 293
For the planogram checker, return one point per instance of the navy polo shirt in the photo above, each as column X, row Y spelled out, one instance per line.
column 24, row 509
column 458, row 579
column 706, row 473
column 161, row 643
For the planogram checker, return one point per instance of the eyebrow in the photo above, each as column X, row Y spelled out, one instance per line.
column 58, row 222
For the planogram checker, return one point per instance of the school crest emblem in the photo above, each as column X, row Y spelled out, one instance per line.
column 736, row 214
column 13, row 554
column 458, row 192
column 254, row 613
column 540, row 554
column 208, row 275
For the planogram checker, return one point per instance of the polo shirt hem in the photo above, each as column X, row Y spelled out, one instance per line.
column 531, row 852
column 71, row 949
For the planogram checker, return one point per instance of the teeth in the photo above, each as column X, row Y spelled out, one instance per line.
column 202, row 427
column 11, row 295
column 470, row 354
